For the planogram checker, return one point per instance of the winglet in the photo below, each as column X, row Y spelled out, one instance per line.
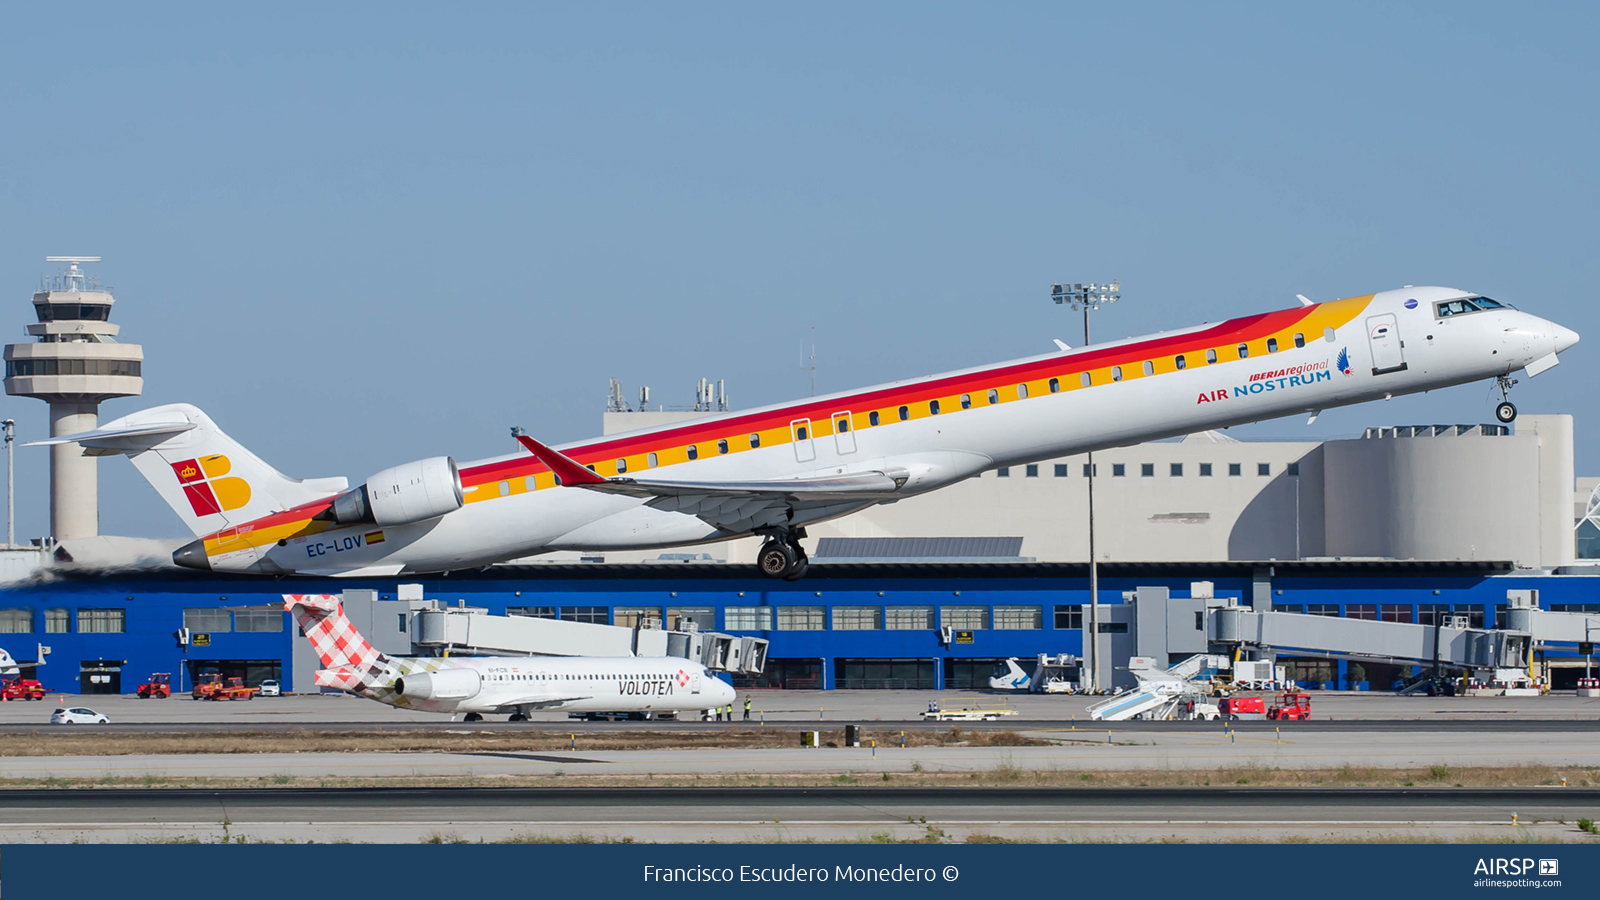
column 566, row 468
column 1304, row 300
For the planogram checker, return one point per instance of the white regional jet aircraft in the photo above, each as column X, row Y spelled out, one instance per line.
column 772, row 471
column 475, row 685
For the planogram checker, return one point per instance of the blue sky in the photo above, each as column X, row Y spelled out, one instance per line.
column 365, row 234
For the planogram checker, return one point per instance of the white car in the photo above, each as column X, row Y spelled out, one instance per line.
column 271, row 688
column 77, row 715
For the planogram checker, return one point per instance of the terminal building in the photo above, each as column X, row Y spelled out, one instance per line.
column 1403, row 524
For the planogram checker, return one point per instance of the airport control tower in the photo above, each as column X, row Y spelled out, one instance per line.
column 74, row 363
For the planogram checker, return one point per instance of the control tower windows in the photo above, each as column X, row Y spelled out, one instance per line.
column 30, row 367
column 73, row 312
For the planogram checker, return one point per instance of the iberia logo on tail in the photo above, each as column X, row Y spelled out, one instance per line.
column 209, row 492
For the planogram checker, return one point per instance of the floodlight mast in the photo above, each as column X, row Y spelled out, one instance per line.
column 1087, row 297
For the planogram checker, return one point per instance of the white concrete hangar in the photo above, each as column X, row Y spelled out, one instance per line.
column 1434, row 492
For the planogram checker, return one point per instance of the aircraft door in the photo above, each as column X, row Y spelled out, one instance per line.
column 1388, row 354
column 804, row 450
column 844, row 432
column 694, row 684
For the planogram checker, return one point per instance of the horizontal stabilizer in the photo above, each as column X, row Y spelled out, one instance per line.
column 152, row 434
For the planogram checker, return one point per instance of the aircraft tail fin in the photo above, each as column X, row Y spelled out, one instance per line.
column 210, row 480
column 349, row 662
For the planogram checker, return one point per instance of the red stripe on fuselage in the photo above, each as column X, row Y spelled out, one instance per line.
column 1221, row 335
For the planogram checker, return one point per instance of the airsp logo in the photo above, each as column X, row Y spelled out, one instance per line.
column 1516, row 867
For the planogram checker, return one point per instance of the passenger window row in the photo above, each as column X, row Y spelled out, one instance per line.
column 1085, row 379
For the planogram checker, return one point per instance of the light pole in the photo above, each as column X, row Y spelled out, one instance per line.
column 1087, row 297
column 11, row 483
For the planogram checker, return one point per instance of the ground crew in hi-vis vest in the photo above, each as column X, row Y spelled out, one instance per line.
column 747, row 708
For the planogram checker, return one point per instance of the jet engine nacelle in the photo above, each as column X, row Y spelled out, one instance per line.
column 445, row 684
column 424, row 489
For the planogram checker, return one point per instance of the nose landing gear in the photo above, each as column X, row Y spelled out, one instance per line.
column 1505, row 410
column 783, row 557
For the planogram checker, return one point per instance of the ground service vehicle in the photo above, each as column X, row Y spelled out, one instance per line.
column 1243, row 708
column 270, row 688
column 22, row 689
column 1292, row 706
column 159, row 686
column 205, row 685
column 233, row 690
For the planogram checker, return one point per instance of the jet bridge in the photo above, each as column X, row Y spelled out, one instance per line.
column 1402, row 643
column 429, row 627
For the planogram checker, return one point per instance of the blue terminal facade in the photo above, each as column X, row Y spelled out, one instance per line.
column 843, row 626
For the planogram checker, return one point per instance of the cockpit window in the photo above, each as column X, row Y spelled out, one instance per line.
column 1456, row 308
column 1468, row 305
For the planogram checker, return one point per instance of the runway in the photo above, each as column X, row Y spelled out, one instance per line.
column 1068, row 751
column 782, row 815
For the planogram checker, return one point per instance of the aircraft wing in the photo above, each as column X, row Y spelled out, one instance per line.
column 542, row 702
column 861, row 486
column 737, row 507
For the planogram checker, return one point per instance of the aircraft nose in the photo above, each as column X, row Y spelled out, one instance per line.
column 1565, row 337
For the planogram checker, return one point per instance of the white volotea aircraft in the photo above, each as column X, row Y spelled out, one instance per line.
column 514, row 685
column 773, row 470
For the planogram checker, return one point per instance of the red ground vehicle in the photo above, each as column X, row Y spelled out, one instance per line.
column 233, row 690
column 159, row 686
column 206, row 685
column 1243, row 708
column 1291, row 707
column 22, row 689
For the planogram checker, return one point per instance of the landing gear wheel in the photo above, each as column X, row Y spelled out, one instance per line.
column 517, row 717
column 472, row 717
column 798, row 570
column 1505, row 411
column 777, row 559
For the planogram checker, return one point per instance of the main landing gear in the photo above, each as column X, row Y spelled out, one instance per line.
column 472, row 717
column 1505, row 410
column 783, row 557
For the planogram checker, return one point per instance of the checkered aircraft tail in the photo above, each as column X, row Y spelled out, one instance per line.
column 349, row 663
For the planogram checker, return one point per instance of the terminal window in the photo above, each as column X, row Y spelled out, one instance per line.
column 204, row 621
column 57, row 621
column 1177, row 470
column 1395, row 612
column 1032, row 471
column 1118, row 470
column 102, row 621
column 1147, row 470
column 593, row 615
column 1003, row 472
column 1061, row 470
column 1330, row 610
column 747, row 618
column 636, row 616
column 857, row 618
column 262, row 620
column 1018, row 618
column 1433, row 614
column 964, row 618
column 703, row 617
column 532, row 612
column 801, row 618
column 1473, row 612
column 1360, row 611
column 1086, row 470
column 1069, row 617
column 1235, row 469
column 1205, row 470
column 908, row 618
column 1263, row 469
column 1575, row 607
column 1292, row 470
column 16, row 621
